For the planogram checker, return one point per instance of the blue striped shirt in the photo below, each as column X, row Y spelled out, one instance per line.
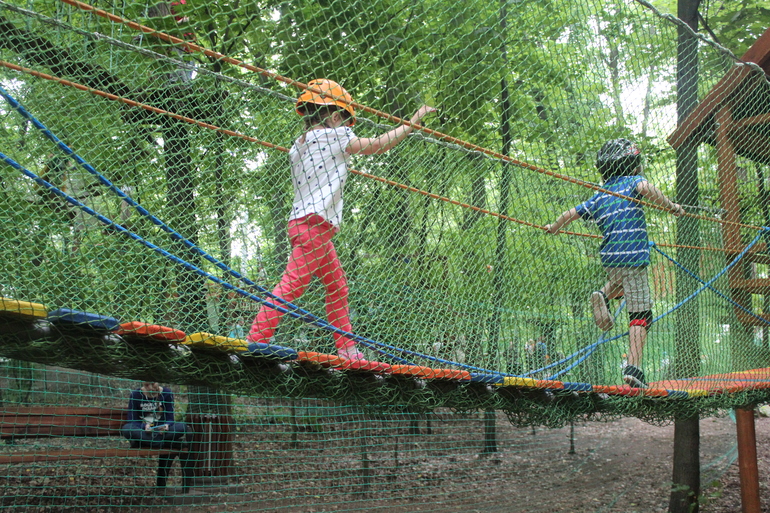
column 622, row 223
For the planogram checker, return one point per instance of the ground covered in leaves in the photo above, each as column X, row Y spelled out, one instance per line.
column 348, row 463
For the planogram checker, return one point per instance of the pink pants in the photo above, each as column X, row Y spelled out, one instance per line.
column 312, row 254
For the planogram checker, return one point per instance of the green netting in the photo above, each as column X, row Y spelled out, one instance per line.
column 443, row 245
column 307, row 455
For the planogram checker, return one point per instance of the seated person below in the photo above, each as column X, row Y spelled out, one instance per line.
column 151, row 418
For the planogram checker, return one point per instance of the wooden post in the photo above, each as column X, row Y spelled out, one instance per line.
column 747, row 459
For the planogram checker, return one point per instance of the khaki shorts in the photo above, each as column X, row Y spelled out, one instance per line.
column 636, row 287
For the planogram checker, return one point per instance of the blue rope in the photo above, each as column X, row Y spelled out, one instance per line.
column 706, row 285
column 716, row 291
column 589, row 350
column 303, row 314
column 174, row 258
column 717, row 276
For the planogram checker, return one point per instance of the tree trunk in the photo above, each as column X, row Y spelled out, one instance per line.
column 501, row 266
column 686, row 475
column 190, row 287
column 490, row 432
column 686, row 464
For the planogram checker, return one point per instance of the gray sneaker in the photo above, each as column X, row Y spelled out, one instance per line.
column 600, row 306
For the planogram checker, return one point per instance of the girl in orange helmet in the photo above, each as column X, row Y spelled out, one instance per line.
column 319, row 168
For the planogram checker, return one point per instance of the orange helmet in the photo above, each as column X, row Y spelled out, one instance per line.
column 335, row 94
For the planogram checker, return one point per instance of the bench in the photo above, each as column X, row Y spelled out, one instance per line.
column 63, row 422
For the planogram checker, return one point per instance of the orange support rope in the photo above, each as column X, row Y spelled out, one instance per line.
column 233, row 133
column 203, row 124
column 389, row 117
column 267, row 144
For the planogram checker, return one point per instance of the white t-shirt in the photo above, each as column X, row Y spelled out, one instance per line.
column 319, row 169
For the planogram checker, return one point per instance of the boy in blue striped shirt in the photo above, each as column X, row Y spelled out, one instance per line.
column 625, row 251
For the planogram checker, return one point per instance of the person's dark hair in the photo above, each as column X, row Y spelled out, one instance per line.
column 618, row 157
column 314, row 114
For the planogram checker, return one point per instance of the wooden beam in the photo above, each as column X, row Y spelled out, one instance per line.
column 752, row 285
column 749, row 320
column 748, row 141
column 713, row 100
column 24, row 422
column 761, row 119
column 759, row 52
column 727, row 171
column 747, row 460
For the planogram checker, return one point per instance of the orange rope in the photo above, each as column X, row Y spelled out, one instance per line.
column 266, row 144
column 465, row 144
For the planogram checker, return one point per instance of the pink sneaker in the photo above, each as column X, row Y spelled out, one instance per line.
column 350, row 353
column 354, row 360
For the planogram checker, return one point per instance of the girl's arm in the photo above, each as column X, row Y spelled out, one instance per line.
column 381, row 144
column 563, row 220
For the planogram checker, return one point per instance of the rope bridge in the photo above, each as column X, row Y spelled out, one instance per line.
column 145, row 196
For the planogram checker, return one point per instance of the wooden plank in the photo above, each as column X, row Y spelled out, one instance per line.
column 207, row 341
column 32, row 422
column 151, row 332
column 749, row 142
column 337, row 362
column 758, row 254
column 420, row 371
column 751, row 285
column 22, row 309
column 761, row 119
column 750, row 320
column 83, row 453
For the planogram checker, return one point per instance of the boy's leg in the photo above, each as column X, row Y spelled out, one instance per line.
column 600, row 299
column 637, row 337
column 600, row 305
column 639, row 302
column 613, row 289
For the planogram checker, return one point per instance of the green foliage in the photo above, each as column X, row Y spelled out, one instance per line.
column 422, row 271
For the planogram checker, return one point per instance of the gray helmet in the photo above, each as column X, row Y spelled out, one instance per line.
column 618, row 157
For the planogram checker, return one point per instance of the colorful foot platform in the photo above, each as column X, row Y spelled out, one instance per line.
column 66, row 318
column 336, row 362
column 419, row 371
column 63, row 318
column 217, row 343
column 21, row 310
column 151, row 332
column 271, row 351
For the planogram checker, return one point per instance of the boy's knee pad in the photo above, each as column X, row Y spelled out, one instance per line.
column 643, row 319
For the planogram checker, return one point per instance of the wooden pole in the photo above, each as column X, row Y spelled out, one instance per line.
column 747, row 460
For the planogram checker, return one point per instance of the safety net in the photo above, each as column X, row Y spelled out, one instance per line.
column 147, row 191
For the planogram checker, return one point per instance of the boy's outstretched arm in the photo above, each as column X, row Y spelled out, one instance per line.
column 563, row 220
column 652, row 193
column 381, row 144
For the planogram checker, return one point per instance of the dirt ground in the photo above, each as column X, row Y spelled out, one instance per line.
column 341, row 465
